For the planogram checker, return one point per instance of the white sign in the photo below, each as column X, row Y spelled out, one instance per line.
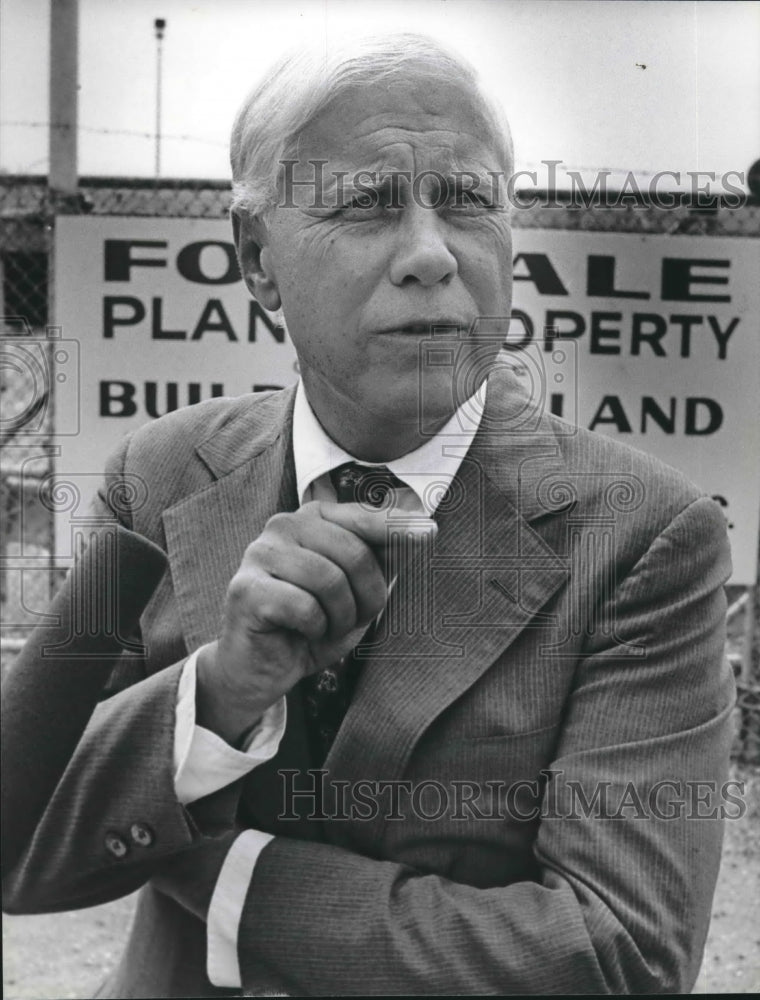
column 161, row 319
column 654, row 339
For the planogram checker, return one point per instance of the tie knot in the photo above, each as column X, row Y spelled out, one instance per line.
column 365, row 484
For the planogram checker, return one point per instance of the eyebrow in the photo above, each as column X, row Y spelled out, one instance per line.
column 463, row 178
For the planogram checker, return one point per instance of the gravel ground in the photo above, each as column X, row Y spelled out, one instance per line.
column 732, row 954
column 68, row 954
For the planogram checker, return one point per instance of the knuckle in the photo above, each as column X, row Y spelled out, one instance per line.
column 281, row 522
column 262, row 550
column 253, row 550
column 268, row 610
column 311, row 509
column 359, row 557
column 238, row 587
column 311, row 615
column 240, row 591
column 333, row 579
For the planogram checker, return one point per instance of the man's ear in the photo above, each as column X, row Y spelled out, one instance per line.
column 251, row 243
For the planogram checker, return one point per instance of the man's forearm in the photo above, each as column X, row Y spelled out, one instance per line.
column 90, row 845
column 391, row 930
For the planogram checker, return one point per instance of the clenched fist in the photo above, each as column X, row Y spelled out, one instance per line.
column 303, row 588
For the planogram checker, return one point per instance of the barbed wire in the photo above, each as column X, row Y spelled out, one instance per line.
column 100, row 130
column 527, row 165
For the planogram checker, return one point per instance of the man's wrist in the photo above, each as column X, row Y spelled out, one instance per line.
column 223, row 714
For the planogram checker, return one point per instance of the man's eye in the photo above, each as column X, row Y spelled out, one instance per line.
column 366, row 205
column 365, row 200
column 473, row 201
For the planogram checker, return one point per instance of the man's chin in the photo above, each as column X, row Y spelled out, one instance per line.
column 420, row 414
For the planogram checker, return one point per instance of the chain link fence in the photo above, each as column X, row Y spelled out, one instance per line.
column 28, row 212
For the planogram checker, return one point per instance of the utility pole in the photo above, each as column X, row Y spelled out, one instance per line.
column 160, row 26
column 64, row 71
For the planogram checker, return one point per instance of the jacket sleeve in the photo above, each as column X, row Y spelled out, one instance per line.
column 621, row 904
column 89, row 805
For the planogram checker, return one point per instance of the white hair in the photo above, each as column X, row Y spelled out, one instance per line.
column 306, row 81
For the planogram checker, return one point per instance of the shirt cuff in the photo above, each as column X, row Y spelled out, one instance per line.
column 203, row 761
column 226, row 908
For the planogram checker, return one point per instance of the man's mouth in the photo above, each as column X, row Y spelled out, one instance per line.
column 424, row 327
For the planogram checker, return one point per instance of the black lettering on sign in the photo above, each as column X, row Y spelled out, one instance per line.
column 700, row 415
column 600, row 279
column 524, row 320
column 157, row 326
column 194, row 394
column 651, row 409
column 706, row 423
column 117, row 399
column 611, row 412
column 541, row 272
column 686, row 323
column 678, row 278
column 648, row 328
column 114, row 314
column 118, row 260
column 121, row 399
column 214, row 319
column 600, row 333
column 722, row 335
column 556, row 403
column 151, row 398
column 256, row 313
column 552, row 330
column 190, row 258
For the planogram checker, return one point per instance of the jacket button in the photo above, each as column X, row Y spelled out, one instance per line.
column 141, row 834
column 115, row 845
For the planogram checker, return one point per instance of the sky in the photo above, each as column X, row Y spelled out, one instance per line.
column 622, row 84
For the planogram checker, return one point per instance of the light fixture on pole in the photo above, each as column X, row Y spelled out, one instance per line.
column 160, row 26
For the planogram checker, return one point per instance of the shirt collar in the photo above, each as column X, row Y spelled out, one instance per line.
column 428, row 470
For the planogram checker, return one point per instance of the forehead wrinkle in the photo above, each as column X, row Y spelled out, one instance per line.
column 332, row 126
column 402, row 129
column 440, row 137
column 397, row 154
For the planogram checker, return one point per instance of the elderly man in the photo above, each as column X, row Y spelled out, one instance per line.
column 431, row 673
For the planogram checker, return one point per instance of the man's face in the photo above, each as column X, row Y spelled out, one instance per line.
column 361, row 287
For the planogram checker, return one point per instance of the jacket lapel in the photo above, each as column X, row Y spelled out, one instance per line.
column 207, row 532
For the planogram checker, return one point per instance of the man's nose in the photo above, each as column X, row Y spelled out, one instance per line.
column 422, row 255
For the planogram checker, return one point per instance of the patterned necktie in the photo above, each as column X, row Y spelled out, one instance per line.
column 365, row 484
column 327, row 694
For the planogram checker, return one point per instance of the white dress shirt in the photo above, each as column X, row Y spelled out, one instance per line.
column 203, row 762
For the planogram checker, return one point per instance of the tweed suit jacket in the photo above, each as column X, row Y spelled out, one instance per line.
column 551, row 673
